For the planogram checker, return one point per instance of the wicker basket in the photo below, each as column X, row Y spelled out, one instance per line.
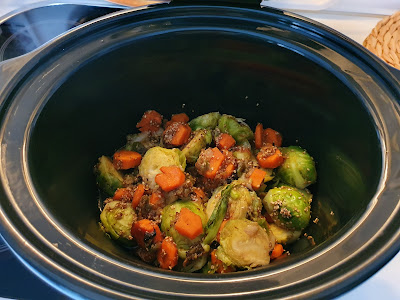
column 384, row 40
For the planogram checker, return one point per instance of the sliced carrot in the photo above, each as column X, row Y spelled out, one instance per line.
column 228, row 171
column 171, row 178
column 180, row 135
column 137, row 195
column 189, row 224
column 199, row 193
column 220, row 229
column 156, row 199
column 180, row 118
column 167, row 255
column 272, row 137
column 124, row 159
column 225, row 141
column 151, row 121
column 123, row 194
column 258, row 136
column 270, row 159
column 218, row 264
column 257, row 178
column 277, row 251
column 146, row 233
column 214, row 163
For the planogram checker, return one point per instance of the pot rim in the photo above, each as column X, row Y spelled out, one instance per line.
column 26, row 249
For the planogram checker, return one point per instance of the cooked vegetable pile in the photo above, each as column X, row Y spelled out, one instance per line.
column 205, row 195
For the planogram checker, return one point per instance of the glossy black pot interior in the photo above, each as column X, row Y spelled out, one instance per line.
column 263, row 66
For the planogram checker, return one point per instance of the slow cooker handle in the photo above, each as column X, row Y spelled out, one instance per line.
column 8, row 73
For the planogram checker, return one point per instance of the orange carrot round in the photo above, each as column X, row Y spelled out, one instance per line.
column 177, row 134
column 230, row 168
column 257, row 178
column 180, row 118
column 146, row 233
column 124, row 159
column 200, row 195
column 225, row 141
column 277, row 251
column 137, row 195
column 188, row 224
column 123, row 194
column 258, row 136
column 167, row 255
column 151, row 121
column 156, row 199
column 214, row 163
column 171, row 178
column 270, row 159
column 272, row 137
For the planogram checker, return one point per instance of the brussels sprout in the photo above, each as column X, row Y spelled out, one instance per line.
column 284, row 236
column 217, row 215
column 298, row 168
column 168, row 218
column 135, row 146
column 288, row 207
column 140, row 142
column 244, row 244
column 196, row 258
column 207, row 268
column 158, row 157
column 195, row 265
column 214, row 200
column 207, row 121
column 243, row 153
column 117, row 218
column 201, row 139
column 239, row 131
column 241, row 203
column 109, row 179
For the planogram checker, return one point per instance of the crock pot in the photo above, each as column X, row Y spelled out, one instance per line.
column 78, row 96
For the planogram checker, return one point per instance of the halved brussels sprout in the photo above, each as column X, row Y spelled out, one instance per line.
column 244, row 154
column 109, row 179
column 242, row 203
column 117, row 218
column 212, row 202
column 207, row 121
column 284, row 236
column 218, row 214
column 195, row 265
column 244, row 244
column 298, row 169
column 201, row 139
column 168, row 219
column 142, row 141
column 158, row 157
column 238, row 130
column 239, row 202
column 289, row 207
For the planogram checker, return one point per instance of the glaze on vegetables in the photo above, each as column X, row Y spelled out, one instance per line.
column 206, row 194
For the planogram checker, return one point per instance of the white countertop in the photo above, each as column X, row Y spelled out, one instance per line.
column 356, row 19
